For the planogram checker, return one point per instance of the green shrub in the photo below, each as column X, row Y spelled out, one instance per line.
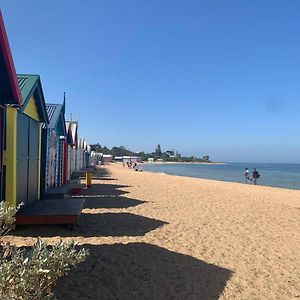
column 7, row 217
column 30, row 274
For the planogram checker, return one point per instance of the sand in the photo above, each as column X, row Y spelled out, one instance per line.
column 156, row 236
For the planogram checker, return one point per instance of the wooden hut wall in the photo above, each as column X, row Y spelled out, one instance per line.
column 79, row 158
column 65, row 161
column 2, row 127
column 51, row 159
column 70, row 162
column 59, row 178
column 73, row 159
column 69, row 147
column 28, row 145
column 44, row 154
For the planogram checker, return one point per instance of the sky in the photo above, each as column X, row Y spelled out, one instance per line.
column 218, row 78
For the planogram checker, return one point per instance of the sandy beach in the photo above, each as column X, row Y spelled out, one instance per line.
column 156, row 236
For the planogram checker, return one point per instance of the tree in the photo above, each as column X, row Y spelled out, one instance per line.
column 205, row 157
column 158, row 151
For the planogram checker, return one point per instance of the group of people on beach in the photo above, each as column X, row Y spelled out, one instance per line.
column 251, row 178
column 132, row 165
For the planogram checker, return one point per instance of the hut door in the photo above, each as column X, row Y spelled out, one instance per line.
column 33, row 160
column 22, row 158
column 27, row 159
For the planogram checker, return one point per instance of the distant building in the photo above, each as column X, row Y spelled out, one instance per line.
column 106, row 159
column 151, row 160
column 132, row 159
column 118, row 158
column 96, row 158
column 135, row 159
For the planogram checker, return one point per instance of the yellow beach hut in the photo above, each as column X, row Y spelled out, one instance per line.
column 23, row 145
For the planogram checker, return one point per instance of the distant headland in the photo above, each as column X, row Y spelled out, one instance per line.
column 159, row 156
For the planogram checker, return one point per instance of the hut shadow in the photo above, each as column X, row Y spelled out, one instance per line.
column 110, row 202
column 95, row 225
column 141, row 271
column 101, row 172
column 103, row 178
column 98, row 173
column 106, row 189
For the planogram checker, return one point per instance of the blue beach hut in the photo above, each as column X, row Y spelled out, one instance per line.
column 53, row 138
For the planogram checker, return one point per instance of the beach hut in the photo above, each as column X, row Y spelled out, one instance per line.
column 80, row 154
column 72, row 136
column 53, row 139
column 67, row 146
column 135, row 159
column 10, row 100
column 131, row 159
column 95, row 158
column 106, row 159
column 85, row 154
column 126, row 159
column 88, row 161
column 118, row 158
column 23, row 130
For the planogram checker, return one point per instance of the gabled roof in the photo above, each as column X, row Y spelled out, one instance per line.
column 31, row 86
column 56, row 118
column 9, row 88
column 74, row 131
column 70, row 139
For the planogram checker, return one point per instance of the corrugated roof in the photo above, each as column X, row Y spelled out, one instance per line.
column 31, row 85
column 27, row 84
column 53, row 111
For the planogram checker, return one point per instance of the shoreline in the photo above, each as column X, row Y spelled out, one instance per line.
column 179, row 163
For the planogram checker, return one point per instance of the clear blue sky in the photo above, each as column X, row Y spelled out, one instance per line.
column 204, row 77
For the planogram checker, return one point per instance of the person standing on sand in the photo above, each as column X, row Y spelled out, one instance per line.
column 247, row 175
column 255, row 176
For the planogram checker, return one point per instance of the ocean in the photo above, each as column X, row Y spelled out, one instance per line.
column 276, row 175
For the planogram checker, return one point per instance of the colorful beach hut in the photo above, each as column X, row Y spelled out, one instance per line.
column 72, row 141
column 80, row 154
column 83, row 154
column 10, row 99
column 53, row 139
column 23, row 145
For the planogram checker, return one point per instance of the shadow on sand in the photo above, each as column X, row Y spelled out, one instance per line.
column 110, row 202
column 96, row 225
column 141, row 271
column 105, row 189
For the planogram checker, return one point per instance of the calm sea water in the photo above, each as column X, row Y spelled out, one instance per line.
column 278, row 175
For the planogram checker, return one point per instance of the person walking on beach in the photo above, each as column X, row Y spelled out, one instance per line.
column 255, row 176
column 247, row 175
